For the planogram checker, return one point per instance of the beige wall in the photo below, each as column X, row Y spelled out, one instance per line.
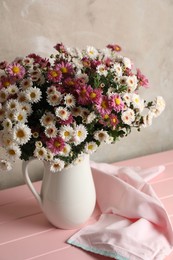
column 142, row 27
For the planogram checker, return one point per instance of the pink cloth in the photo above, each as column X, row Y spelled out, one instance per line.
column 133, row 224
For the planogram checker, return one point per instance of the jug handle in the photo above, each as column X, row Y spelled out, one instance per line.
column 25, row 165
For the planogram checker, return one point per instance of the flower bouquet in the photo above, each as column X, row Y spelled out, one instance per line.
column 58, row 109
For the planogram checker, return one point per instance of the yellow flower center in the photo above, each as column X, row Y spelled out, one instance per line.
column 11, row 152
column 57, row 144
column 54, row 73
column 117, row 101
column 106, row 116
column 104, row 104
column 41, row 152
column 66, row 133
column 6, row 84
column 79, row 133
column 20, row 117
column 16, row 69
column 64, row 70
column 90, row 146
column 92, row 95
column 32, row 95
column 20, row 133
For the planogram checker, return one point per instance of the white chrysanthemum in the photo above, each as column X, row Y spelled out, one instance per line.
column 62, row 113
column 66, row 150
column 90, row 147
column 69, row 100
column 13, row 151
column 79, row 159
column 158, row 107
column 7, row 124
column 131, row 83
column 57, row 165
column 117, row 69
column 2, row 114
column 101, row 136
column 147, row 119
column 20, row 116
column 127, row 62
column 78, row 63
column 21, row 134
column 54, row 99
column 26, row 83
column 137, row 102
column 51, row 131
column 101, row 70
column 123, row 80
column 106, row 52
column 26, row 107
column 79, row 134
column 12, row 104
column 84, row 113
column 3, row 95
column 10, row 114
column 47, row 119
column 51, row 90
column 49, row 155
column 66, row 132
column 40, row 153
column 90, row 118
column 5, row 165
column 22, row 96
column 33, row 94
column 28, row 61
column 91, row 52
column 128, row 116
column 127, row 97
column 12, row 89
column 7, row 139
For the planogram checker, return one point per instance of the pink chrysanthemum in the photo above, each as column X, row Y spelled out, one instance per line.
column 83, row 95
column 103, row 106
column 143, row 81
column 113, row 120
column 114, row 47
column 56, row 144
column 116, row 102
column 94, row 95
column 67, row 121
column 54, row 74
column 15, row 70
column 65, row 68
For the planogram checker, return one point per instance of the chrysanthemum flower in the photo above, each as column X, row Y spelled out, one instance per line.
column 21, row 133
column 103, row 106
column 51, row 131
column 13, row 151
column 117, row 69
column 62, row 113
column 137, row 102
column 22, row 96
column 20, row 116
column 3, row 95
column 7, row 139
column 15, row 70
column 147, row 119
column 94, row 95
column 33, row 94
column 101, row 136
column 40, row 153
column 12, row 89
column 79, row 134
column 35, row 74
column 131, row 83
column 128, row 116
column 158, row 106
column 91, row 52
column 26, row 83
column 90, row 118
column 66, row 150
column 65, row 68
column 7, row 124
column 55, row 145
column 54, row 99
column 83, row 95
column 54, row 74
column 26, row 107
column 69, row 100
column 116, row 102
column 57, row 165
column 127, row 62
column 101, row 70
column 90, row 147
column 66, row 132
column 113, row 120
column 47, row 119
column 143, row 81
column 12, row 104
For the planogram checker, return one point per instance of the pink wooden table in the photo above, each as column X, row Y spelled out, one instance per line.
column 25, row 233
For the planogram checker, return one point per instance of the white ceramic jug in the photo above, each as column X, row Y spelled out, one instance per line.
column 67, row 198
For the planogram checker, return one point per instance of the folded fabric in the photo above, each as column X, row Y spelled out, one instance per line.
column 133, row 224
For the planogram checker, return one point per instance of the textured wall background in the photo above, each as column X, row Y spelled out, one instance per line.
column 142, row 27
